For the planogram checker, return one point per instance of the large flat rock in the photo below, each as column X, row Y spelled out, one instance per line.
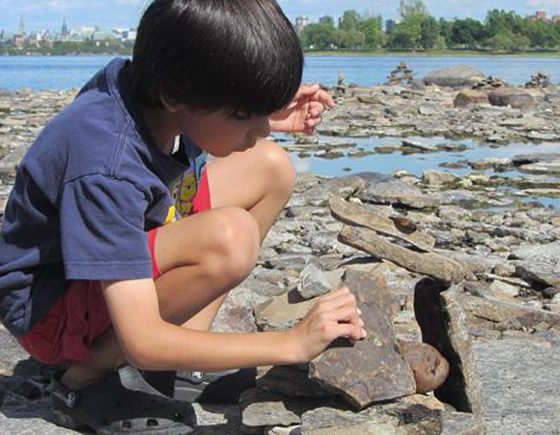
column 520, row 380
column 371, row 370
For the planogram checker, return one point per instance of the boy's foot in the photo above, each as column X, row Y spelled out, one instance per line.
column 121, row 403
column 194, row 386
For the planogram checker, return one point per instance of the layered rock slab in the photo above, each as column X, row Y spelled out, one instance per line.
column 370, row 370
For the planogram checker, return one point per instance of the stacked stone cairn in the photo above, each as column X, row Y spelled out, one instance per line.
column 490, row 83
column 369, row 387
column 401, row 73
column 538, row 80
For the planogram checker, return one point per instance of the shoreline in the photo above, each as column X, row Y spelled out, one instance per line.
column 344, row 53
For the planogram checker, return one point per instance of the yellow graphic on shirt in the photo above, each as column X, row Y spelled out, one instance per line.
column 185, row 194
column 170, row 215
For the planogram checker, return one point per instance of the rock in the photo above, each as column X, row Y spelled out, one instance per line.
column 390, row 419
column 443, row 323
column 371, row 370
column 410, row 146
column 263, row 409
column 539, row 263
column 282, row 312
column 520, row 374
column 313, row 282
column 290, row 381
column 550, row 167
column 236, row 313
column 344, row 187
column 456, row 77
column 385, row 190
column 470, row 97
column 513, row 97
column 438, row 178
column 370, row 217
column 503, row 312
column 431, row 264
column 525, row 159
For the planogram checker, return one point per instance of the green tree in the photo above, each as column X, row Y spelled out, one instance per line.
column 467, row 32
column 373, row 31
column 445, row 30
column 542, row 34
column 429, row 32
column 353, row 39
column 318, row 36
column 350, row 21
column 327, row 19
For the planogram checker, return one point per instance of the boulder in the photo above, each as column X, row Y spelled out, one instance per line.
column 470, row 97
column 516, row 98
column 458, row 76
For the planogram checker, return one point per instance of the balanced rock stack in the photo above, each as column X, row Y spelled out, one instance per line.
column 369, row 386
column 538, row 80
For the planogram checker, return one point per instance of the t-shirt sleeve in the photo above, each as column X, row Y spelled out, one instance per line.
column 102, row 230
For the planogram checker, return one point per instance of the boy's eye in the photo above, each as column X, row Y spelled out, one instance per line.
column 240, row 116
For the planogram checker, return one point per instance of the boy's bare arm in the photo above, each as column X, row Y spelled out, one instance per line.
column 149, row 342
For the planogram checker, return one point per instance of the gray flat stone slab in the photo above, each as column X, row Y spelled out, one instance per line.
column 520, row 380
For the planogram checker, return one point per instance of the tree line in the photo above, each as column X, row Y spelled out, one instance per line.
column 418, row 30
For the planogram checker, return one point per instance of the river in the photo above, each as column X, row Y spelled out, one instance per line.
column 66, row 72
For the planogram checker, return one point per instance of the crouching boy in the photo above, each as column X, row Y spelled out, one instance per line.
column 120, row 242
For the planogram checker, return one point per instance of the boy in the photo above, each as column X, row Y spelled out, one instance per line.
column 95, row 269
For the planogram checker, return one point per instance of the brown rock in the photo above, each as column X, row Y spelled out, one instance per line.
column 429, row 366
column 371, row 370
column 469, row 97
column 513, row 97
column 435, row 265
column 359, row 214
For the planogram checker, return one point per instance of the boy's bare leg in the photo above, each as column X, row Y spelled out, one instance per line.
column 205, row 255
column 265, row 184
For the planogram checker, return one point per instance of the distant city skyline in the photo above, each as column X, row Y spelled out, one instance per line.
column 49, row 14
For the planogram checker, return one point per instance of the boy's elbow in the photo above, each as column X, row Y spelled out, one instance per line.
column 141, row 354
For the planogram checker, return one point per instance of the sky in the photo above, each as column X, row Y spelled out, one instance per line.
column 48, row 14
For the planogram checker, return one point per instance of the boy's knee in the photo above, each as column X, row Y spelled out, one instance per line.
column 278, row 164
column 237, row 246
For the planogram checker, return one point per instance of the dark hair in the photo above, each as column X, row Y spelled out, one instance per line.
column 239, row 56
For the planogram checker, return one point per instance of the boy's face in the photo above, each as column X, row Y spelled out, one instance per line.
column 220, row 134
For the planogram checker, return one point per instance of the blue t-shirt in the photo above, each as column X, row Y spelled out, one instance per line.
column 85, row 195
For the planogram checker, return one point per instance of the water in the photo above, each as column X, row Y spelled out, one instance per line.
column 66, row 72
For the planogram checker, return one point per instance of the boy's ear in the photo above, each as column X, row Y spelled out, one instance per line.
column 171, row 105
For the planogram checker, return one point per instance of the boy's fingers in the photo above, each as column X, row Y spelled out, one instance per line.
column 350, row 331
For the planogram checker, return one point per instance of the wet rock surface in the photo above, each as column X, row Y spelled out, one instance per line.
column 489, row 219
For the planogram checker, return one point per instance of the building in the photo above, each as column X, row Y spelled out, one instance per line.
column 64, row 31
column 390, row 25
column 301, row 22
column 19, row 38
column 540, row 15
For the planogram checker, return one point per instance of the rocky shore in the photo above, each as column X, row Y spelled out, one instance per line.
column 482, row 235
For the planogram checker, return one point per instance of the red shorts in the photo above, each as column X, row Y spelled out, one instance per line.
column 69, row 329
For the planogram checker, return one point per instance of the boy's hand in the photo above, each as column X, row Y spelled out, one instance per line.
column 303, row 114
column 334, row 315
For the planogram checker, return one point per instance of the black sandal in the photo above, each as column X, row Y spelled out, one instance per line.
column 223, row 387
column 121, row 404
